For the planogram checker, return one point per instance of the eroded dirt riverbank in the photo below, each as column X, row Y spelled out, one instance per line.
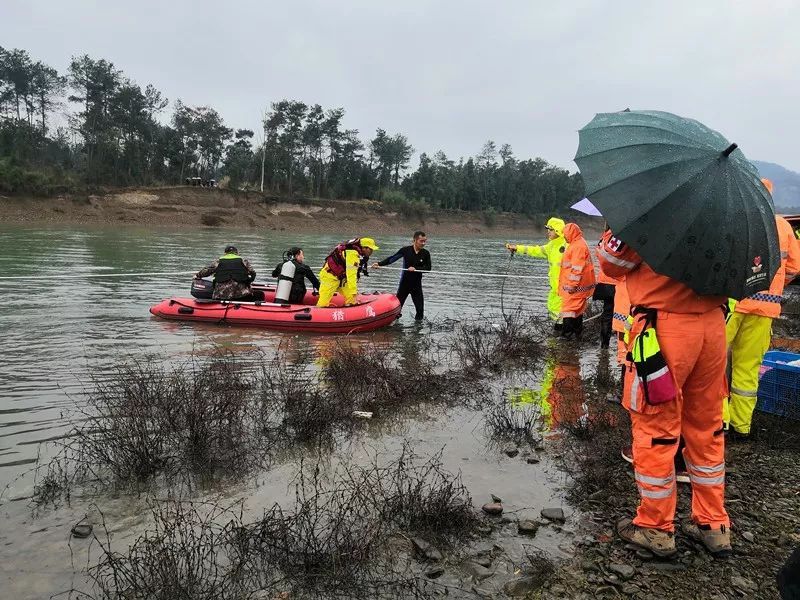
column 198, row 207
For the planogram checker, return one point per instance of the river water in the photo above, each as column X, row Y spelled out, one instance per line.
column 58, row 331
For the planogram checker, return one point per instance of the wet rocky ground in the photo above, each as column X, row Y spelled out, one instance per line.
column 762, row 498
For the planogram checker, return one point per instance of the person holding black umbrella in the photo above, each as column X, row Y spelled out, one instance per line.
column 749, row 332
column 692, row 226
column 691, row 334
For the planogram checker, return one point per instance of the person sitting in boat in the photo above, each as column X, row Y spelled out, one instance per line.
column 232, row 277
column 342, row 269
column 301, row 272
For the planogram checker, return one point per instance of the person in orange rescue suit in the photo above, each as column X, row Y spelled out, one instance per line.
column 749, row 331
column 575, row 281
column 605, row 290
column 690, row 330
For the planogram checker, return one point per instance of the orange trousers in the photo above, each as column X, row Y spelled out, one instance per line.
column 693, row 346
column 572, row 306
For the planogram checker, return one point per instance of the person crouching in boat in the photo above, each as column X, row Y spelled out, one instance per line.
column 301, row 272
column 342, row 268
column 232, row 277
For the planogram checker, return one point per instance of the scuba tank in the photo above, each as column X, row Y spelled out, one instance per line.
column 285, row 279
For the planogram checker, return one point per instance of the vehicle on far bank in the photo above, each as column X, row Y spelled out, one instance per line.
column 200, row 182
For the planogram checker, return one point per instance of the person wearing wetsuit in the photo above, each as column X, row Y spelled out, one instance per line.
column 301, row 272
column 416, row 259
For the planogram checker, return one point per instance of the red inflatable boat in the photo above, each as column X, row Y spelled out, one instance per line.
column 372, row 312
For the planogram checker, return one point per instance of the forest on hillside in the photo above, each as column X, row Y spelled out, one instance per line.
column 94, row 126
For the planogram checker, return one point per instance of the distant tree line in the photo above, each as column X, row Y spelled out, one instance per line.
column 94, row 126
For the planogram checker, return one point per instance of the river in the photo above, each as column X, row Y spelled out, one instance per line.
column 58, row 331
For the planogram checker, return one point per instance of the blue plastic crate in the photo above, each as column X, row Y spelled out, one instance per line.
column 779, row 385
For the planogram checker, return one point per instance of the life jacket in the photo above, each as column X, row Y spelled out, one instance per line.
column 652, row 371
column 231, row 267
column 335, row 260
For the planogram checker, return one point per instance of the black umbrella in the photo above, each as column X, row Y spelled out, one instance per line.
column 686, row 199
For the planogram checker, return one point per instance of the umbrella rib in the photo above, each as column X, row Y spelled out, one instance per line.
column 616, row 182
column 615, row 148
column 693, row 142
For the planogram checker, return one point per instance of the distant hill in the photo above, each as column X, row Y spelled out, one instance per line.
column 787, row 183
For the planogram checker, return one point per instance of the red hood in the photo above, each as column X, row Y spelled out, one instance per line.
column 572, row 232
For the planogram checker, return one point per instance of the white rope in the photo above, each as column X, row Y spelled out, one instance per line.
column 85, row 275
column 459, row 273
column 173, row 273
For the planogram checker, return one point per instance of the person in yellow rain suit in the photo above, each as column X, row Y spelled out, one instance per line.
column 749, row 330
column 553, row 251
column 342, row 269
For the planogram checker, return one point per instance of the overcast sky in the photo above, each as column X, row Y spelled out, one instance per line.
column 450, row 74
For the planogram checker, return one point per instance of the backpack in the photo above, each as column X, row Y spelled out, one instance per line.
column 335, row 260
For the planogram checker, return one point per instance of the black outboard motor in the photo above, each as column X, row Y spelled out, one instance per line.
column 202, row 289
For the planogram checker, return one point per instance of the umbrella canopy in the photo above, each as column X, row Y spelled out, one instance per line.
column 586, row 207
column 684, row 198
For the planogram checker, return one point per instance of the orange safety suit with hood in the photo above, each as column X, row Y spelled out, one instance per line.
column 576, row 280
column 749, row 331
column 691, row 332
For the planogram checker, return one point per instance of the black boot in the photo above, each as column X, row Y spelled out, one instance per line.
column 568, row 328
column 578, row 327
column 605, row 334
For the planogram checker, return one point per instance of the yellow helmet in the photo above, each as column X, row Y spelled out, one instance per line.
column 367, row 242
column 556, row 225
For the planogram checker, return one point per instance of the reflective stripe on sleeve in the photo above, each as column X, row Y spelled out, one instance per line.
column 626, row 264
column 745, row 393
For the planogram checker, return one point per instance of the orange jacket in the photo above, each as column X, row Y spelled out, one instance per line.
column 576, row 279
column 768, row 304
column 602, row 276
column 646, row 287
column 622, row 306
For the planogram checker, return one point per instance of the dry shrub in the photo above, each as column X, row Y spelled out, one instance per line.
column 334, row 542
column 494, row 344
column 514, row 422
column 373, row 378
column 184, row 556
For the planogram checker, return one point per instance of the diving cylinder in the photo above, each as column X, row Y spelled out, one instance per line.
column 285, row 280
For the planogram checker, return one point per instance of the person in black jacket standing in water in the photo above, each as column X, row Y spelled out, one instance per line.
column 415, row 259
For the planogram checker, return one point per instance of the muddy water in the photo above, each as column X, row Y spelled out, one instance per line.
column 56, row 332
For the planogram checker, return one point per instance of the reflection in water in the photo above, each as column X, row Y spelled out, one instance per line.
column 560, row 396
